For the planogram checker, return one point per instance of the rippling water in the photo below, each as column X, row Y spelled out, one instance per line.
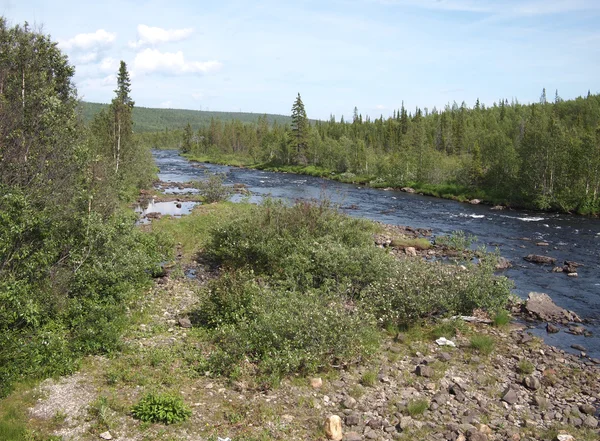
column 569, row 237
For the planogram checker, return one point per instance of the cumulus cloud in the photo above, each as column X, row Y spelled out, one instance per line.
column 88, row 57
column 109, row 64
column 152, row 60
column 152, row 35
column 99, row 83
column 100, row 38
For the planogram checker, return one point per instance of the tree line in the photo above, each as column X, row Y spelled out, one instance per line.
column 70, row 257
column 544, row 155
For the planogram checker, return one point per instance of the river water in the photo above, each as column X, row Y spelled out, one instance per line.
column 569, row 237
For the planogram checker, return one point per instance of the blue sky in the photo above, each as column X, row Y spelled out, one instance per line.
column 372, row 54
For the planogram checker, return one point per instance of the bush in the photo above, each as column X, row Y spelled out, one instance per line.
column 213, row 189
column 457, row 240
column 270, row 332
column 501, row 318
column 417, row 407
column 161, row 408
column 525, row 367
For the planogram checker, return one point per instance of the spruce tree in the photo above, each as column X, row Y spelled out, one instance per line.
column 299, row 127
column 121, row 109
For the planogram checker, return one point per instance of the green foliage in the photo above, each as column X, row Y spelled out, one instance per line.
column 457, row 240
column 501, row 318
column 368, row 379
column 417, row 407
column 484, row 344
column 304, row 288
column 525, row 367
column 213, row 189
column 161, row 408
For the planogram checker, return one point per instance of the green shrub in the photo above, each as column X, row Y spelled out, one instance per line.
column 161, row 408
column 457, row 240
column 213, row 189
column 484, row 344
column 269, row 332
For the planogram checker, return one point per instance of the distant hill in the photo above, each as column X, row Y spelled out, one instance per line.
column 147, row 119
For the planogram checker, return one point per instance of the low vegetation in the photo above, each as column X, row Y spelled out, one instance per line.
column 161, row 408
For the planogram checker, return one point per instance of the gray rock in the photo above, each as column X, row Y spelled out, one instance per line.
column 406, row 422
column 444, row 356
column 353, row 419
column 587, row 409
column 552, row 329
column 579, row 347
column 532, row 383
column 542, row 260
column 541, row 306
column 349, row 403
column 590, row 421
column 185, row 322
column 424, row 371
column 510, row 396
column 352, row 436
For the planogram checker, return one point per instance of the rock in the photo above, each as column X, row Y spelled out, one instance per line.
column 564, row 437
column 406, row 422
column 106, row 435
column 444, row 356
column 497, row 207
column 474, row 435
column 185, row 322
column 503, row 263
column 576, row 330
column 532, row 383
column 484, row 429
column 541, row 306
column 178, row 204
column 578, row 347
column 552, row 329
column 510, row 396
column 570, row 266
column 410, row 251
column 333, row 428
column 573, row 275
column 557, row 269
column 352, row 436
column 541, row 402
column 424, row 371
column 316, row 382
column 542, row 260
column 349, row 403
column 590, row 421
column 353, row 419
column 587, row 409
column 542, row 244
column 407, row 189
column 524, row 338
column 474, row 202
column 443, row 341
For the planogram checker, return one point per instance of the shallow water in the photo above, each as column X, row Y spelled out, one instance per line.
column 569, row 237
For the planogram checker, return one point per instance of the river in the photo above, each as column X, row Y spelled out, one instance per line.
column 569, row 237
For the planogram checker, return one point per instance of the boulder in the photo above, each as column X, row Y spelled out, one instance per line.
column 474, row 202
column 353, row 436
column 510, row 396
column 552, row 329
column 503, row 263
column 542, row 260
column 333, row 428
column 541, row 307
column 497, row 207
column 532, row 383
column 410, row 251
column 316, row 382
column 424, row 371
column 407, row 189
column 185, row 322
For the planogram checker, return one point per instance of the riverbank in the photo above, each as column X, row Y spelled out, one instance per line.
column 445, row 191
column 497, row 383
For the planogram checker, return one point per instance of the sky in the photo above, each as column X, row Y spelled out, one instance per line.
column 256, row 56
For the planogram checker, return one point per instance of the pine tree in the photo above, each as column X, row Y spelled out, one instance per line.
column 299, row 127
column 188, row 134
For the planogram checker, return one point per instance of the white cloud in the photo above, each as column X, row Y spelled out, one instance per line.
column 151, row 35
column 100, row 38
column 86, row 58
column 99, row 83
column 152, row 60
column 198, row 95
column 166, row 104
column 380, row 107
column 109, row 64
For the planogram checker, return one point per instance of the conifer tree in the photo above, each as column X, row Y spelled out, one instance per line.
column 299, row 126
column 121, row 109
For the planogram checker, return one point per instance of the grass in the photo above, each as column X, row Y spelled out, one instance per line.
column 483, row 344
column 368, row 379
column 419, row 243
column 417, row 407
column 501, row 318
column 525, row 367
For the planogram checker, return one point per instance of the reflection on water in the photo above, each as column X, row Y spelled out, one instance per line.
column 172, row 208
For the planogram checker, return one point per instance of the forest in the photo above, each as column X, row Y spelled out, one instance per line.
column 543, row 156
